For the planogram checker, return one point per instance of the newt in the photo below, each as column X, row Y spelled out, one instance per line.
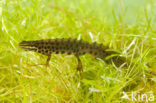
column 73, row 47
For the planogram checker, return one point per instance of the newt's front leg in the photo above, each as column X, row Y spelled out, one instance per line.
column 48, row 59
column 79, row 66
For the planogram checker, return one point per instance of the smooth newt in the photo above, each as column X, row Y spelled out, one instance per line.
column 74, row 47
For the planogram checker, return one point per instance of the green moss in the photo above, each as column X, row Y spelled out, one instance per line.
column 126, row 26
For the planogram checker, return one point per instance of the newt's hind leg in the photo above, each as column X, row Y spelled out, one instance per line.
column 47, row 62
column 79, row 66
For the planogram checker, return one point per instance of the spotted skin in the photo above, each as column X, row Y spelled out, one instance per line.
column 72, row 47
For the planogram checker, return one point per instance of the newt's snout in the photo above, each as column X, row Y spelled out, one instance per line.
column 27, row 45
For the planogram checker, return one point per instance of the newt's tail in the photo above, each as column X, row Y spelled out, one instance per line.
column 117, row 59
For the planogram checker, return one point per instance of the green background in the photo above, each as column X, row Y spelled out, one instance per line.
column 128, row 26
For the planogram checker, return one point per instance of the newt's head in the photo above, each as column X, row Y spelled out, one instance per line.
column 28, row 45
